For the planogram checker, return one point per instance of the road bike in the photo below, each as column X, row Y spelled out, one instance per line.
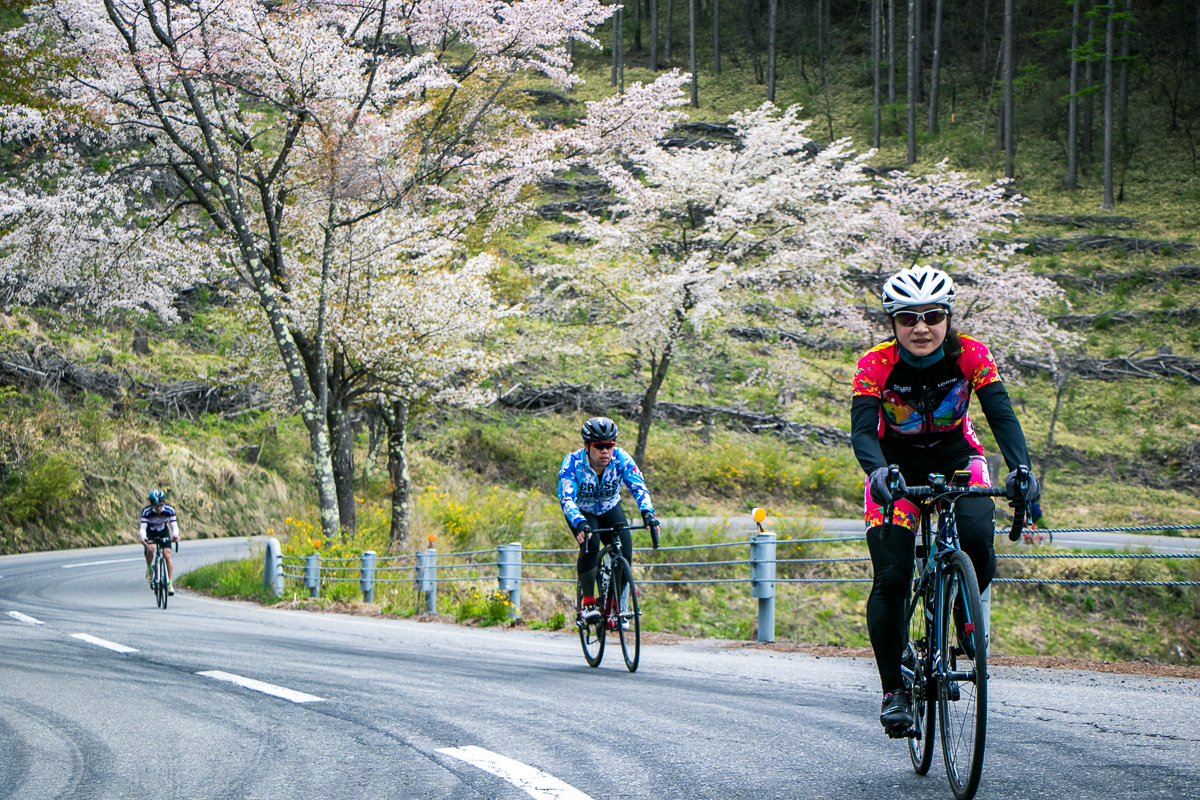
column 944, row 664
column 617, row 601
column 160, row 580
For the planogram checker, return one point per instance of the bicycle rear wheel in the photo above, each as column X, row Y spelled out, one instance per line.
column 962, row 689
column 629, row 626
column 591, row 635
column 915, row 669
column 160, row 581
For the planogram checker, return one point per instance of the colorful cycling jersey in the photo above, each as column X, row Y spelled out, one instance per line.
column 580, row 489
column 158, row 523
column 925, row 408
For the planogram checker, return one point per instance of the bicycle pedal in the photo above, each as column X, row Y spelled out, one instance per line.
column 952, row 692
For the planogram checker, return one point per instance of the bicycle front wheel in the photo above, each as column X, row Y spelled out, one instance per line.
column 629, row 626
column 915, row 669
column 591, row 635
column 160, row 582
column 962, row 684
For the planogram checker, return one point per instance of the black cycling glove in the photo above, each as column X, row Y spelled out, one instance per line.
column 1033, row 492
column 585, row 528
column 878, row 481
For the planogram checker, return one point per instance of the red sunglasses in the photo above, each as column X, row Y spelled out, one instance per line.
column 604, row 445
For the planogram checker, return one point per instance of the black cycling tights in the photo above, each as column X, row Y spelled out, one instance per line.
column 589, row 551
column 892, row 562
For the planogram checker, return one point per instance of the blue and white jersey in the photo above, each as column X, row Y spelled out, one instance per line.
column 581, row 489
column 158, row 524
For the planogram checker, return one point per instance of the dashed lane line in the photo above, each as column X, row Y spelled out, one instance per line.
column 260, row 686
column 28, row 620
column 98, row 563
column 537, row 784
column 105, row 643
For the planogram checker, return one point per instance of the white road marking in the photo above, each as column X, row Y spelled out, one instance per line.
column 98, row 563
column 534, row 782
column 116, row 648
column 260, row 686
column 19, row 617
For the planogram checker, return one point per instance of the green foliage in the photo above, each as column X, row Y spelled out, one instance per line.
column 48, row 483
column 241, row 579
column 485, row 608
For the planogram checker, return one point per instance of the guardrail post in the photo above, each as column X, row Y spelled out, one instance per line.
column 762, row 583
column 425, row 577
column 273, row 567
column 366, row 579
column 312, row 574
column 508, row 557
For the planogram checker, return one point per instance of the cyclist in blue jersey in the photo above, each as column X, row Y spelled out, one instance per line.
column 589, row 487
column 158, row 524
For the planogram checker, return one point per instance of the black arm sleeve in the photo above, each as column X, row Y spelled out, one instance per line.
column 864, row 432
column 993, row 399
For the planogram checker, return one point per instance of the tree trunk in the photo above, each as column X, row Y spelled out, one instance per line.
column 935, row 68
column 716, row 36
column 375, row 438
column 621, row 50
column 919, row 50
column 653, row 34
column 1109, row 33
column 1010, row 32
column 1089, row 100
column 658, row 374
column 772, row 17
column 912, row 77
column 985, row 89
column 668, row 33
column 891, row 51
column 1072, row 181
column 396, row 416
column 637, row 26
column 616, row 47
column 1123, row 95
column 1061, row 378
column 822, row 35
column 341, row 435
column 876, row 54
column 693, row 22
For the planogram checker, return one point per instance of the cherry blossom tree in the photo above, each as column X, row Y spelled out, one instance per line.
column 710, row 224
column 289, row 124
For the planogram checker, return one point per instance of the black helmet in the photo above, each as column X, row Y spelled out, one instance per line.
column 599, row 429
column 157, row 496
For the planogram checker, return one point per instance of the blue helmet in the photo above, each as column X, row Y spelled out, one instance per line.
column 157, row 496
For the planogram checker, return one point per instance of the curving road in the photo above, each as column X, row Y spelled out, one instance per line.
column 367, row 708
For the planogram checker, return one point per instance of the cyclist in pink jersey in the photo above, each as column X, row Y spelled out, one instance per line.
column 911, row 395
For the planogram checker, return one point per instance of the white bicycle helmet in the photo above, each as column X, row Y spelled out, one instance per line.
column 918, row 286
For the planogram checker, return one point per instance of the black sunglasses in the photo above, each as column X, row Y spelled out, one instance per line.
column 604, row 445
column 909, row 319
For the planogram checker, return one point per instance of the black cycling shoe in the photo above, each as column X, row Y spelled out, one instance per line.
column 896, row 714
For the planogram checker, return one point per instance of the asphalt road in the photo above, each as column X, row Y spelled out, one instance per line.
column 400, row 709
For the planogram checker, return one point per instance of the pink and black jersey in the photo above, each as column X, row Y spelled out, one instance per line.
column 922, row 413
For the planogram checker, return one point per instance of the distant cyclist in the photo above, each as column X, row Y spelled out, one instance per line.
column 159, row 525
column 589, row 487
column 910, row 409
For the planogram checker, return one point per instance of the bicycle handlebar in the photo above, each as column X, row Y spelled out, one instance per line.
column 952, row 492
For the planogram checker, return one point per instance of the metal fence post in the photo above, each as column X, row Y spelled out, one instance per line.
column 366, row 579
column 425, row 576
column 762, row 583
column 273, row 567
column 312, row 574
column 508, row 557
